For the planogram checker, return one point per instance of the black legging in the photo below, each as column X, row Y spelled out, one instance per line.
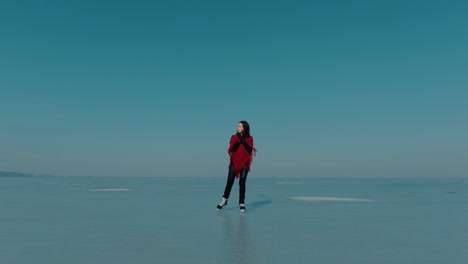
column 230, row 182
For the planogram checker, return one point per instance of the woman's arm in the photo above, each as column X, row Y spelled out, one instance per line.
column 234, row 143
column 248, row 146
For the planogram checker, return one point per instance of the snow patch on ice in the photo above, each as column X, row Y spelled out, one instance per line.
column 329, row 199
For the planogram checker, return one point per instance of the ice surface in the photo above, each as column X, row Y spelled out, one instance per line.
column 174, row 220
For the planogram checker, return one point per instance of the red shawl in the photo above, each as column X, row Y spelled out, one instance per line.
column 241, row 157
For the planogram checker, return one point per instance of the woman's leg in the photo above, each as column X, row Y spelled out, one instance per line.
column 227, row 190
column 230, row 182
column 242, row 180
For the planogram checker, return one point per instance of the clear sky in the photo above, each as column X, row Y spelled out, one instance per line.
column 156, row 88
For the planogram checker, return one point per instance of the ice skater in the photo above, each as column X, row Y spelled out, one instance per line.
column 241, row 151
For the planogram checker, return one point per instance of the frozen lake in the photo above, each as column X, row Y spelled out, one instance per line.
column 174, row 220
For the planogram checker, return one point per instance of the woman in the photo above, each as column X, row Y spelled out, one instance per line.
column 241, row 151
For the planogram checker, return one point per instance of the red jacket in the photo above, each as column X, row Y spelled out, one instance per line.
column 240, row 158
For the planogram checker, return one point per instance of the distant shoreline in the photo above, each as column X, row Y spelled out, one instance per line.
column 15, row 174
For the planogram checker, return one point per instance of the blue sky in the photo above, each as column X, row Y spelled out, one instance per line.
column 156, row 88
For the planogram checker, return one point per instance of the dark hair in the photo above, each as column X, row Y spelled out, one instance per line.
column 246, row 127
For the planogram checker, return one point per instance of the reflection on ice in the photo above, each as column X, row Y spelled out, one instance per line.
column 236, row 238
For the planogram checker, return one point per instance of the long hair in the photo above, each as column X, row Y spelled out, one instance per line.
column 246, row 127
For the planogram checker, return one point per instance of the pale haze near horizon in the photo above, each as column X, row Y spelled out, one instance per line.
column 335, row 89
